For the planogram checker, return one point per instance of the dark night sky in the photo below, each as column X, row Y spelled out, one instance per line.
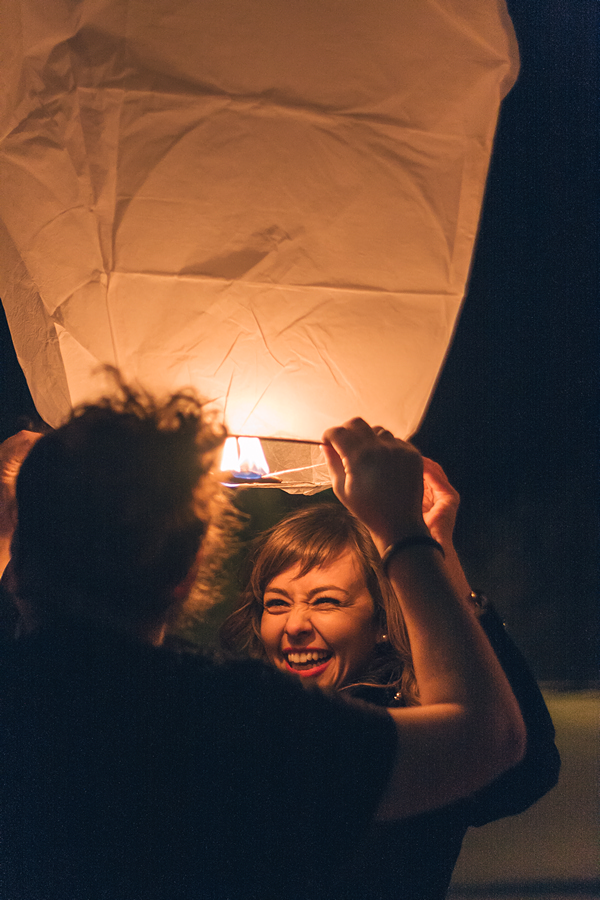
column 514, row 420
column 515, row 417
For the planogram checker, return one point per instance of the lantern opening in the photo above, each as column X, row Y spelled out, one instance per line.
column 243, row 461
column 273, row 463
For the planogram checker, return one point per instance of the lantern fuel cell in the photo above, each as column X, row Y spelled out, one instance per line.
column 275, row 203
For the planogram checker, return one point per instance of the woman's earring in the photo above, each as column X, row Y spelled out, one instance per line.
column 384, row 638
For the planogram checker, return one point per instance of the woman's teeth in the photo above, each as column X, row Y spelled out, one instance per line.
column 308, row 658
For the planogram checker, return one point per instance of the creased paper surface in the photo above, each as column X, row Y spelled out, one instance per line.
column 275, row 202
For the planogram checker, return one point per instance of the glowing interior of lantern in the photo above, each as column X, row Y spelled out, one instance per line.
column 244, row 457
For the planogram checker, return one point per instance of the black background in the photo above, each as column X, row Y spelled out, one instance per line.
column 514, row 419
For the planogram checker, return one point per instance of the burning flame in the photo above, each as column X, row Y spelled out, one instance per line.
column 244, row 458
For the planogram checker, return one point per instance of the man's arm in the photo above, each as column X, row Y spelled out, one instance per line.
column 468, row 729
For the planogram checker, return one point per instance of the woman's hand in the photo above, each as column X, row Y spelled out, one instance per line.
column 440, row 503
column 12, row 453
column 378, row 478
column 440, row 506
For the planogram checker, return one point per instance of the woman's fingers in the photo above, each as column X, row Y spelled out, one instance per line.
column 378, row 477
column 440, row 502
column 380, row 431
column 436, row 473
column 349, row 436
column 341, row 446
column 437, row 484
column 336, row 468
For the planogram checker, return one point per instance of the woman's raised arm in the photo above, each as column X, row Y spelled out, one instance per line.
column 468, row 729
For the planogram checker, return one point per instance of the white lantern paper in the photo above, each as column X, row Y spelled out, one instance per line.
column 274, row 201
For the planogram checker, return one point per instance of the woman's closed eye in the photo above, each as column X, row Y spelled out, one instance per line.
column 276, row 604
column 325, row 601
column 282, row 604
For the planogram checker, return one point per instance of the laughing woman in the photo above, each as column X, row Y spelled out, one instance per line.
column 318, row 605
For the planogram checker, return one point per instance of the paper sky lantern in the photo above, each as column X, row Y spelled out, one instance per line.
column 274, row 201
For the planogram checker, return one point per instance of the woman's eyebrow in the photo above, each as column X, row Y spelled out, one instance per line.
column 276, row 590
column 327, row 587
column 318, row 590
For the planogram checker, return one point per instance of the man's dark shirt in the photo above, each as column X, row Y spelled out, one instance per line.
column 129, row 771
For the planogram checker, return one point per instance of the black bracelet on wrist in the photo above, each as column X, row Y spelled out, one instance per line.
column 414, row 541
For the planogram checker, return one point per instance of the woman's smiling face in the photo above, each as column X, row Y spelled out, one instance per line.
column 323, row 625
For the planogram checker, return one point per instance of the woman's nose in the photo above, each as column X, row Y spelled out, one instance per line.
column 298, row 621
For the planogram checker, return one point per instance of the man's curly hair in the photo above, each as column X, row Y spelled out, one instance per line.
column 114, row 505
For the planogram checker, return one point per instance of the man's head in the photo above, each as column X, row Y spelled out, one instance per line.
column 112, row 510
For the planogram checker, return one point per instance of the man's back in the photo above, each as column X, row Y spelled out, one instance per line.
column 130, row 771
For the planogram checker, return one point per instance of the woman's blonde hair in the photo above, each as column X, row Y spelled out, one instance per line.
column 316, row 536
